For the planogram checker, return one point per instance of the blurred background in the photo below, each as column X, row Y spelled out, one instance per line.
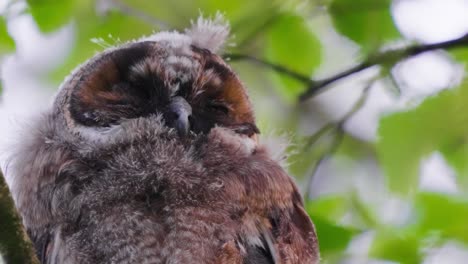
column 380, row 152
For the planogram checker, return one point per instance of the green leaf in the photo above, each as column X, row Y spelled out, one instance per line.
column 442, row 214
column 332, row 237
column 232, row 10
column 456, row 155
column 335, row 207
column 112, row 29
column 7, row 44
column 460, row 54
column 331, row 208
column 355, row 148
column 367, row 22
column 396, row 246
column 291, row 42
column 436, row 218
column 52, row 14
column 439, row 123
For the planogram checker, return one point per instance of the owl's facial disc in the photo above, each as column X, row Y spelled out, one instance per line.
column 193, row 89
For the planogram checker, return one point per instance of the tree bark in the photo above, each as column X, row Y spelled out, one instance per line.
column 15, row 245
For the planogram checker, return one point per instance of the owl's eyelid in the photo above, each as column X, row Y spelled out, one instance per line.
column 220, row 106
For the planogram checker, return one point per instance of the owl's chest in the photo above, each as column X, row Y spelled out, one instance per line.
column 172, row 201
column 175, row 176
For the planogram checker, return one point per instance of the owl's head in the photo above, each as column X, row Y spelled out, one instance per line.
column 177, row 76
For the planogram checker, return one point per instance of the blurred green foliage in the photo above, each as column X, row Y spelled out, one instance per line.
column 51, row 14
column 7, row 44
column 291, row 41
column 438, row 124
column 367, row 22
column 287, row 33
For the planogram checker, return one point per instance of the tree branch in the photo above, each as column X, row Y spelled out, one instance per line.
column 15, row 246
column 384, row 57
column 315, row 87
column 276, row 67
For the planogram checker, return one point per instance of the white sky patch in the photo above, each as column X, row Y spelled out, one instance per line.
column 39, row 53
column 359, row 247
column 427, row 74
column 450, row 253
column 3, row 4
column 394, row 211
column 364, row 123
column 432, row 20
column 436, row 175
column 24, row 93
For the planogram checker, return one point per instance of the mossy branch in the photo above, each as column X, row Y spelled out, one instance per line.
column 15, row 246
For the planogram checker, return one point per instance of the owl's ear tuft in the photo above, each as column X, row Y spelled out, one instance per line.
column 209, row 33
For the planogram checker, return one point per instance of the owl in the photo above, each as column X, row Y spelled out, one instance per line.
column 150, row 154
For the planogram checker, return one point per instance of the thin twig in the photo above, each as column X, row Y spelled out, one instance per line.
column 276, row 67
column 315, row 87
column 133, row 12
column 341, row 122
column 338, row 139
column 325, row 156
column 319, row 134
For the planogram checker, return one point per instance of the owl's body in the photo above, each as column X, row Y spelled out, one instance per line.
column 149, row 155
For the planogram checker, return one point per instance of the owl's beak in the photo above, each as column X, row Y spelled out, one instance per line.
column 180, row 111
